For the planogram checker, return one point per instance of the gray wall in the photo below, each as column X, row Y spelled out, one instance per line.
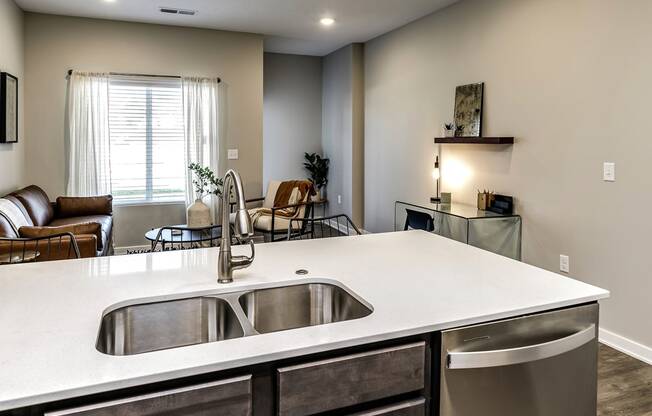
column 292, row 114
column 343, row 129
column 568, row 79
column 55, row 44
column 12, row 156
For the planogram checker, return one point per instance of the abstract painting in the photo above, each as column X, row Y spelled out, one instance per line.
column 468, row 110
column 8, row 108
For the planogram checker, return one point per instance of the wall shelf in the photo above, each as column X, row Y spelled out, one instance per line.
column 474, row 140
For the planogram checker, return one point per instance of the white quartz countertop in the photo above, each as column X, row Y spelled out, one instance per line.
column 417, row 282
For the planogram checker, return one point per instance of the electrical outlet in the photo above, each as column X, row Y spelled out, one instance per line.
column 609, row 172
column 564, row 263
column 232, row 154
column 339, row 199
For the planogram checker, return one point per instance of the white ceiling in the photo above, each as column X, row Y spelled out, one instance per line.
column 290, row 26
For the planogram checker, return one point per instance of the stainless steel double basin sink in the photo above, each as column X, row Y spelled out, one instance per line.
column 145, row 327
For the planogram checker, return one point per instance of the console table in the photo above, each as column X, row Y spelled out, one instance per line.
column 498, row 233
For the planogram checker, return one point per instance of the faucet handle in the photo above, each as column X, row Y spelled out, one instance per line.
column 240, row 262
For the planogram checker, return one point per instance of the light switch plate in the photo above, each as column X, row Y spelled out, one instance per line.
column 233, row 154
column 564, row 263
column 609, row 172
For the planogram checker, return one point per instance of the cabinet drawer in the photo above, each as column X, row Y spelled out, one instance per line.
column 416, row 407
column 231, row 397
column 352, row 379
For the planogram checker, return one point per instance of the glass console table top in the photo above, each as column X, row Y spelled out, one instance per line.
column 459, row 210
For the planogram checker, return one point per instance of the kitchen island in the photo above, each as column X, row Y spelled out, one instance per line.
column 416, row 284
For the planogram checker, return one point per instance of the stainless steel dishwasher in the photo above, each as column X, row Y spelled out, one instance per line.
column 536, row 365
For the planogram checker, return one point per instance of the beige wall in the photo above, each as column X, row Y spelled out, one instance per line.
column 12, row 155
column 571, row 81
column 131, row 222
column 55, row 44
column 343, row 129
column 292, row 114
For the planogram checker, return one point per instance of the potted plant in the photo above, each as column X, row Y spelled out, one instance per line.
column 205, row 183
column 448, row 129
column 317, row 166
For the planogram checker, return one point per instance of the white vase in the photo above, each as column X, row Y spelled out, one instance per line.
column 198, row 215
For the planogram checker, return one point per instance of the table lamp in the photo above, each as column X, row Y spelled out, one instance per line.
column 436, row 175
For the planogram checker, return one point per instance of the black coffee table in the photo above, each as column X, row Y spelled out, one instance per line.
column 183, row 235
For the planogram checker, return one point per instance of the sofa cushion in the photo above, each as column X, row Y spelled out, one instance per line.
column 105, row 221
column 36, row 203
column 68, row 206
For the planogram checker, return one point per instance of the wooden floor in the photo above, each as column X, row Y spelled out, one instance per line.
column 624, row 385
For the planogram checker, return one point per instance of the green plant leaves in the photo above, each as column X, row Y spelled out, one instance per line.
column 205, row 181
column 318, row 169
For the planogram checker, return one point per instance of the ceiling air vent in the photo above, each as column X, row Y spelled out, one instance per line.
column 171, row 10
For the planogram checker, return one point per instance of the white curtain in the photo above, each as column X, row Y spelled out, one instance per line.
column 200, row 112
column 89, row 168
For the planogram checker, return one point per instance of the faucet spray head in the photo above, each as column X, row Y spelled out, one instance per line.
column 243, row 226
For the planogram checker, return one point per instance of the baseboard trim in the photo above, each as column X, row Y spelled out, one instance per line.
column 626, row 346
column 342, row 228
column 119, row 251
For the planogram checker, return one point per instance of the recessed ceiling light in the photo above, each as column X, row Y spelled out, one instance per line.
column 327, row 21
column 109, row 1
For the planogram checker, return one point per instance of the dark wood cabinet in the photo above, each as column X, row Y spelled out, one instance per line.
column 335, row 383
column 231, row 397
column 388, row 378
column 415, row 407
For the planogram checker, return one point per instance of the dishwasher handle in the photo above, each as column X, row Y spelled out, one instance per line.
column 519, row 355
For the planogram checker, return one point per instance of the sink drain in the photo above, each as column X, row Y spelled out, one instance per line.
column 301, row 272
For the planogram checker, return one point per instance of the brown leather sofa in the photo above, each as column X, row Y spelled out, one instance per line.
column 89, row 219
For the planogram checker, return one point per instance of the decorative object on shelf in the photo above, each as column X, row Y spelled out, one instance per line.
column 448, row 130
column 317, row 166
column 484, row 199
column 472, row 140
column 198, row 213
column 446, row 197
column 8, row 108
column 468, row 110
column 502, row 204
column 436, row 174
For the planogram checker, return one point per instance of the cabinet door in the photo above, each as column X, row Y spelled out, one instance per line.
column 230, row 397
column 352, row 379
column 416, row 407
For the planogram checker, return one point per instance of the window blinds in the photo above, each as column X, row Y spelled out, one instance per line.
column 147, row 139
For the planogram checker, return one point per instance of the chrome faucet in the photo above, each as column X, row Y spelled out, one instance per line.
column 227, row 263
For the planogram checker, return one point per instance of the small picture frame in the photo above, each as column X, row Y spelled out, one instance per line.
column 8, row 108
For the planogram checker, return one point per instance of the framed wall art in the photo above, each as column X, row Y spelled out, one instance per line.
column 468, row 110
column 8, row 108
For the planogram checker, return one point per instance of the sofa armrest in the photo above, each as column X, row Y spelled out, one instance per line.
column 92, row 228
column 300, row 204
column 70, row 206
column 87, row 244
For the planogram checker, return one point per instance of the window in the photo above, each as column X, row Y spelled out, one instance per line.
column 147, row 140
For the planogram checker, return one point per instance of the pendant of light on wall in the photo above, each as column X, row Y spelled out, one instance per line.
column 327, row 21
